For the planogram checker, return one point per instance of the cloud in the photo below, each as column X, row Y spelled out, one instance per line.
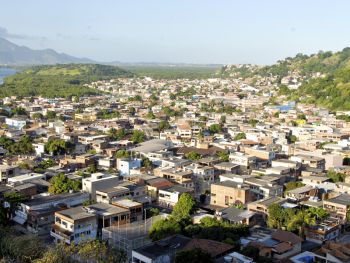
column 4, row 33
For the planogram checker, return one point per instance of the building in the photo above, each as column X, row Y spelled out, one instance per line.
column 77, row 225
column 124, row 165
column 338, row 206
column 98, row 181
column 169, row 197
column 164, row 250
column 228, row 193
column 7, row 171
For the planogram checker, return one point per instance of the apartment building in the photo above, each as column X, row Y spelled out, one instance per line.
column 78, row 224
column 228, row 193
column 98, row 181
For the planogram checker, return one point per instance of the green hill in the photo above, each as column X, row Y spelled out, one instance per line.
column 59, row 80
column 331, row 90
column 305, row 65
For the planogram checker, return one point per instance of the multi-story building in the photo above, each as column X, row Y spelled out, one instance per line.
column 99, row 181
column 76, row 225
column 228, row 193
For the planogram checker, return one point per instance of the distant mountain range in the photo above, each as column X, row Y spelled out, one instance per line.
column 12, row 54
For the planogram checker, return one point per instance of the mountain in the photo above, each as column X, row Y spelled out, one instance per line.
column 12, row 54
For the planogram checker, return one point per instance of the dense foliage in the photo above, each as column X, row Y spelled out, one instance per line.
column 59, row 80
column 62, row 184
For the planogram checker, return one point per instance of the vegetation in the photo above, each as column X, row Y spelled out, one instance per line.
column 292, row 219
column 122, row 154
column 15, row 247
column 336, row 177
column 91, row 251
column 193, row 156
column 59, row 80
column 117, row 134
column 240, row 136
column 22, row 146
column 224, row 156
column 138, row 136
column 215, row 128
column 171, row 72
column 293, row 185
column 6, row 212
column 58, row 146
column 62, row 184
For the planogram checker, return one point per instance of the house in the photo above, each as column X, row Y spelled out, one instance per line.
column 264, row 188
column 16, row 123
column 234, row 215
column 164, row 250
column 25, row 178
column 323, row 231
column 109, row 215
column 38, row 212
column 98, row 181
column 135, row 208
column 179, row 176
column 309, row 161
column 261, row 206
column 169, row 197
column 300, row 194
column 279, row 245
column 7, row 171
column 228, row 193
column 125, row 165
column 76, row 225
column 338, row 206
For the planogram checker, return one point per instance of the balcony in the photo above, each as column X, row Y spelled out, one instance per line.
column 61, row 233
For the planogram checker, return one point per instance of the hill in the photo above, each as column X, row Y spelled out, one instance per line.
column 325, row 77
column 59, row 80
column 12, row 54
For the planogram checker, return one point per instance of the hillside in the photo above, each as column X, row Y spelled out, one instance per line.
column 12, row 54
column 58, row 80
column 325, row 77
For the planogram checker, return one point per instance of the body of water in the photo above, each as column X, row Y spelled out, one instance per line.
column 4, row 72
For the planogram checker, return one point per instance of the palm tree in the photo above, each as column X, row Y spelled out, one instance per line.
column 302, row 219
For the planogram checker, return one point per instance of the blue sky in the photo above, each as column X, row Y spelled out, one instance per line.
column 189, row 31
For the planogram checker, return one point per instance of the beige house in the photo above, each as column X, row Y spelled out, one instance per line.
column 228, row 193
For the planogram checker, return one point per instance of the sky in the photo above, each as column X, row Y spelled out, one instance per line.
column 178, row 31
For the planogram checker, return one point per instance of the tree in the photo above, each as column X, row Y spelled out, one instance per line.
column 19, row 111
column 132, row 111
column 276, row 216
column 194, row 256
column 51, row 115
column 122, row 154
column 146, row 162
column 164, row 228
column 150, row 115
column 183, row 208
column 318, row 212
column 336, row 177
column 240, row 136
column 302, row 219
column 20, row 248
column 224, row 156
column 62, row 184
column 117, row 134
column 37, row 116
column 163, row 125
column 138, row 136
column 13, row 199
column 193, row 156
column 57, row 146
column 215, row 128
column 90, row 251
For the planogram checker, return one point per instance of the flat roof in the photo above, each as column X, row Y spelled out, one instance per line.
column 76, row 213
column 107, row 209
